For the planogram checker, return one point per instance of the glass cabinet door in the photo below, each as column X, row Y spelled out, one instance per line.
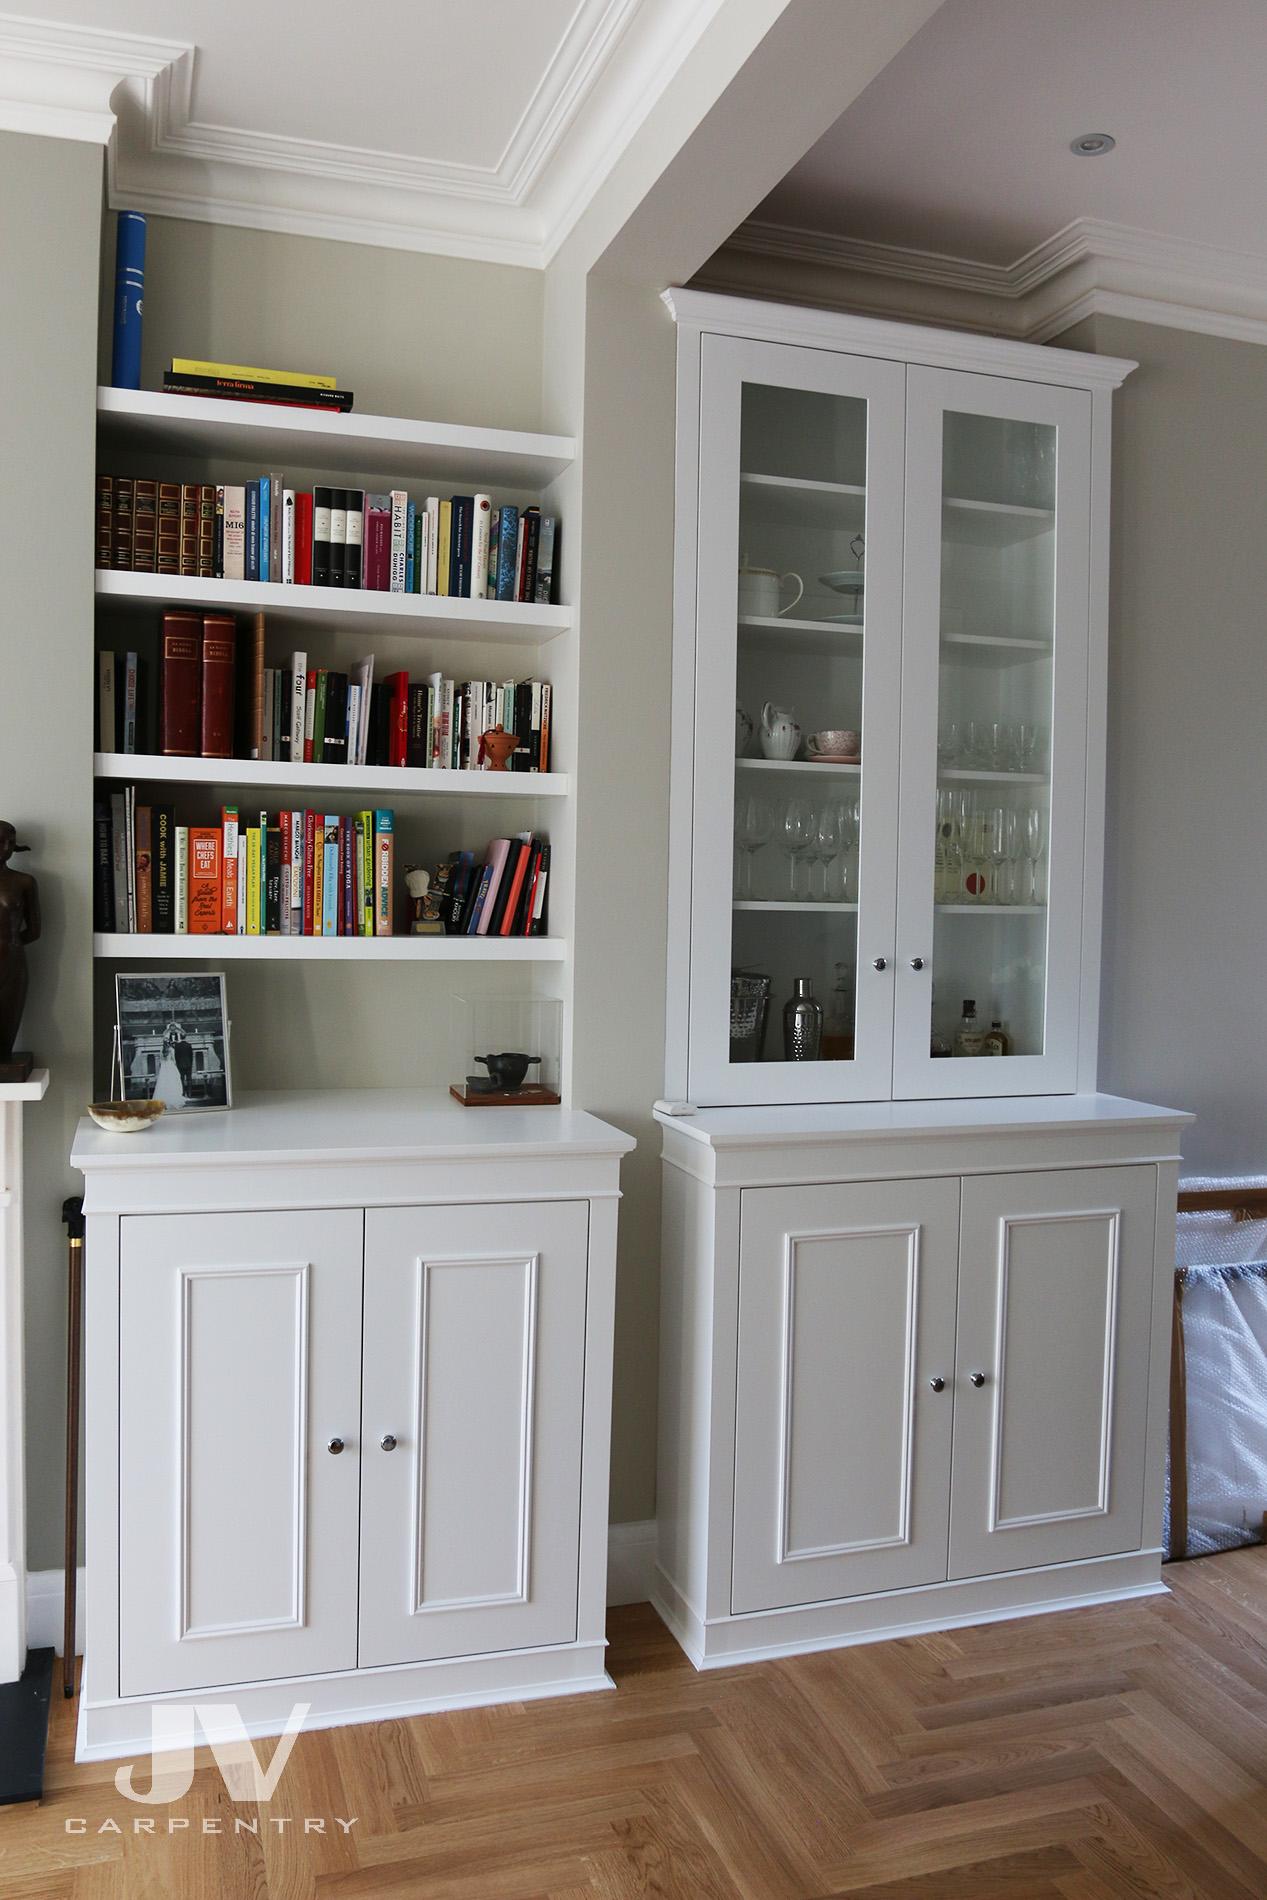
column 993, row 736
column 796, row 716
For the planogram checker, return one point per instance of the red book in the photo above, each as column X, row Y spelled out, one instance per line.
column 189, row 504
column 180, row 686
column 516, row 886
column 204, row 880
column 303, row 538
column 397, row 689
column 347, row 878
column 376, row 549
column 219, row 664
column 287, row 867
column 531, row 902
column 310, row 852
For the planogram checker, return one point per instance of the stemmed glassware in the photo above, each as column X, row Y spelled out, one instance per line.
column 800, row 829
column 997, row 826
column 754, row 826
column 1034, row 841
column 826, row 847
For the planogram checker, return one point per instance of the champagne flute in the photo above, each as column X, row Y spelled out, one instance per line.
column 1015, row 852
column 1034, row 851
column 799, row 825
column 998, row 853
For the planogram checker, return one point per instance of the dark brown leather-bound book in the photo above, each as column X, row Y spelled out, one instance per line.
column 189, row 528
column 144, row 870
column 180, row 686
column 144, row 526
column 207, row 530
column 255, row 701
column 169, row 527
column 219, row 665
column 105, row 520
column 122, row 521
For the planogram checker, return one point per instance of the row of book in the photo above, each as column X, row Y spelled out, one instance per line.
column 505, row 895
column 461, row 546
column 293, row 873
column 238, row 382
column 217, row 699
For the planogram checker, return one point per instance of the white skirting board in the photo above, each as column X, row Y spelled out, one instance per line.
column 630, row 1568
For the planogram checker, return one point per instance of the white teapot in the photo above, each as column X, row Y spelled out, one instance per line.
column 780, row 734
column 743, row 732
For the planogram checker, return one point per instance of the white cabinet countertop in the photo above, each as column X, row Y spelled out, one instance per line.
column 825, row 1121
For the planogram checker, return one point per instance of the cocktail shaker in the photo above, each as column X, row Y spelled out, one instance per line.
column 802, row 1023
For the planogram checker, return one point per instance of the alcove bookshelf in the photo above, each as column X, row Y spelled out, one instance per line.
column 171, row 438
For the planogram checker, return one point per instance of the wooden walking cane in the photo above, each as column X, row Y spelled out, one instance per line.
column 73, row 1216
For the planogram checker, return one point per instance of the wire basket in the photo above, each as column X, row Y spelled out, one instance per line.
column 749, row 1008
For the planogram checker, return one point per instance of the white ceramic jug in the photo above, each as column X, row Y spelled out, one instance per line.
column 780, row 734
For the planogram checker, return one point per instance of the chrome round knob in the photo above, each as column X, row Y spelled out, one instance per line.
column 388, row 1441
column 938, row 1384
column 881, row 963
column 334, row 1445
column 917, row 963
column 977, row 1378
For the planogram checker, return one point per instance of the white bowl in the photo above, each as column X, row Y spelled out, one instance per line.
column 126, row 1118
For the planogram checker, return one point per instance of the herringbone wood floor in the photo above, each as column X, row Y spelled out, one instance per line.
column 1104, row 1752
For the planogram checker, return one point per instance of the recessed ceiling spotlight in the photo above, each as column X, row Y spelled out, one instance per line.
column 1091, row 144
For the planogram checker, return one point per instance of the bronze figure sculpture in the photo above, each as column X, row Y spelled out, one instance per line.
column 19, row 926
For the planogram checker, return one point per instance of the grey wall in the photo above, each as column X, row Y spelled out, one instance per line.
column 1185, row 943
column 50, row 212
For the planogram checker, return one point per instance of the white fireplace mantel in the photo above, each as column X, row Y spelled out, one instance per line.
column 13, row 1097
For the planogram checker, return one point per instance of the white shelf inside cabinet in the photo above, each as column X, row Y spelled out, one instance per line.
column 400, row 781
column 349, row 445
column 786, row 501
column 993, row 524
column 993, row 650
column 401, row 949
column 787, row 903
column 965, row 775
column 802, row 636
column 421, row 615
column 814, row 769
column 990, row 910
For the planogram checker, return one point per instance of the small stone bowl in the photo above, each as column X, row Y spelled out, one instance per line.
column 126, row 1118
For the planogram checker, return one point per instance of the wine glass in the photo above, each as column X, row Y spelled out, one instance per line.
column 799, row 827
column 997, row 841
column 850, row 831
column 1015, row 848
column 754, row 826
column 1034, row 851
column 826, row 845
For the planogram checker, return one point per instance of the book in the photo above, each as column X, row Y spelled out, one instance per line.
column 102, row 865
column 483, row 514
column 129, row 297
column 272, row 869
column 288, row 536
column 255, row 684
column 539, row 925
column 107, row 710
column 433, row 542
column 204, row 895
column 253, row 868
column 219, row 665
column 189, row 504
column 241, row 885
column 330, row 877
column 384, row 848
column 399, row 551
column 163, row 864
column 122, row 555
column 377, row 547
column 118, row 859
column 190, row 366
column 179, row 687
column 320, row 537
column 181, row 904
column 229, row 861
column 338, row 534
column 528, row 567
column 444, row 555
column 233, row 560
column 461, row 531
column 144, row 526
column 303, row 538
column 252, row 531
column 105, row 520
column 206, row 530
column 397, row 685
column 507, row 546
column 354, row 535
column 265, row 529
column 168, row 527
column 243, row 389
column 298, row 698
column 142, row 856
column 506, row 918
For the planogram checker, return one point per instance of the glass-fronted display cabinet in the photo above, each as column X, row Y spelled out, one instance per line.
column 885, row 583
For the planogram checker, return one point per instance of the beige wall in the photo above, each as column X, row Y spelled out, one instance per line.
column 1184, row 1017
column 50, row 211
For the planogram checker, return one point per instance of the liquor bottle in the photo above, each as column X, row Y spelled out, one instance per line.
column 969, row 1037
column 802, row 1023
column 996, row 1043
column 838, row 1042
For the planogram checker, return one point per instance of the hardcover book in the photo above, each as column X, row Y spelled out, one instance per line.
column 180, row 686
column 219, row 666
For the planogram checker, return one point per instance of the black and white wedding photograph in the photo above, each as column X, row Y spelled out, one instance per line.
column 173, row 1040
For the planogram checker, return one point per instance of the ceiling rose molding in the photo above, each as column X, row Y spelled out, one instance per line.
column 1090, row 267
column 64, row 81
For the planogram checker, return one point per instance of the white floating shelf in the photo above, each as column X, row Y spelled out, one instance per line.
column 987, row 649
column 414, row 615
column 790, row 502
column 401, row 949
column 352, row 445
column 964, row 775
column 990, row 910
column 788, row 903
column 803, row 636
column 390, row 780
column 821, row 769
column 993, row 524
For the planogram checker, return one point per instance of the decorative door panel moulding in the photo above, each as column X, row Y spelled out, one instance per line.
column 133, row 93
column 1090, row 267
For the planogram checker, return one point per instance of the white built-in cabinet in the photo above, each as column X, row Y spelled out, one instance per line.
column 915, row 1301
column 348, row 1398
column 936, row 506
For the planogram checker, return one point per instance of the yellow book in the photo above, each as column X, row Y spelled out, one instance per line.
column 253, row 881
column 442, row 549
column 186, row 366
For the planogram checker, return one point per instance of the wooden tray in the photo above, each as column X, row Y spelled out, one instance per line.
column 530, row 1095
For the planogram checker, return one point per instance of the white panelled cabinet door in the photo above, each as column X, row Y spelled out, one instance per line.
column 238, row 1371
column 472, row 1425
column 1051, row 1401
column 845, row 1390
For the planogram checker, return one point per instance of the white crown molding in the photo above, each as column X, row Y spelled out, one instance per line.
column 1088, row 268
column 63, row 81
column 133, row 93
